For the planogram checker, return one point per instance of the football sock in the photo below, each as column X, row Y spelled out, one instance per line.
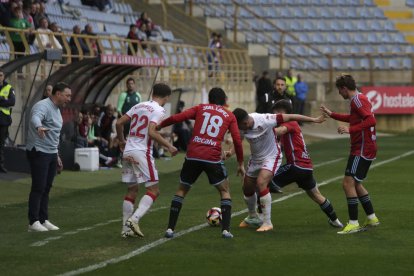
column 328, row 209
column 352, row 208
column 176, row 204
column 143, row 206
column 225, row 206
column 266, row 204
column 367, row 204
column 127, row 211
column 251, row 204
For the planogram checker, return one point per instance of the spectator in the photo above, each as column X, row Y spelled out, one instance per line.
column 17, row 21
column 79, row 139
column 102, row 5
column 127, row 100
column 5, row 14
column 106, row 122
column 182, row 130
column 301, row 89
column 132, row 34
column 92, row 42
column 290, row 88
column 264, row 85
column 54, row 27
column 48, row 91
column 72, row 43
column 278, row 93
column 145, row 20
column 212, row 53
column 27, row 8
column 47, row 39
column 7, row 101
column 40, row 14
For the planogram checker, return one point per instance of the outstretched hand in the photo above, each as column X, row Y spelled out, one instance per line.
column 173, row 150
column 325, row 111
column 320, row 119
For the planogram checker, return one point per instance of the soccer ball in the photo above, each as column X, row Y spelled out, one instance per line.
column 213, row 216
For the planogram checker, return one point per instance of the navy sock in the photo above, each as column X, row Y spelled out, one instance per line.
column 225, row 213
column 353, row 208
column 366, row 204
column 176, row 204
column 328, row 209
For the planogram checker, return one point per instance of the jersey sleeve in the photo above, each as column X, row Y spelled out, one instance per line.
column 235, row 135
column 185, row 115
column 340, row 117
column 362, row 106
column 290, row 126
column 121, row 101
column 272, row 120
column 158, row 116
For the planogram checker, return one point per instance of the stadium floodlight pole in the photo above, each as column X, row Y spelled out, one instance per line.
column 153, row 82
column 28, row 97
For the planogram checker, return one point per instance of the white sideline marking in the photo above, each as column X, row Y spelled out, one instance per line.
column 328, row 162
column 74, row 232
column 161, row 241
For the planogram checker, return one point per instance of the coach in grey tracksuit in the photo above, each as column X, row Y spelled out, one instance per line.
column 42, row 151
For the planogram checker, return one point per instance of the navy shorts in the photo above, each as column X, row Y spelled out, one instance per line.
column 357, row 167
column 216, row 172
column 288, row 173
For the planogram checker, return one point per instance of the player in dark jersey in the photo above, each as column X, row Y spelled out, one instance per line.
column 204, row 153
column 363, row 150
column 299, row 167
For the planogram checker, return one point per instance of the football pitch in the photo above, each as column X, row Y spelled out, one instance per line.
column 87, row 208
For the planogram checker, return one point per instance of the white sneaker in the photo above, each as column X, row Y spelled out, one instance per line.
column 37, row 227
column 49, row 226
column 336, row 223
column 128, row 233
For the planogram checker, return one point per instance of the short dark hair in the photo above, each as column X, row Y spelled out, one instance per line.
column 130, row 79
column 240, row 114
column 132, row 26
column 279, row 78
column 60, row 86
column 161, row 90
column 345, row 80
column 217, row 96
column 285, row 105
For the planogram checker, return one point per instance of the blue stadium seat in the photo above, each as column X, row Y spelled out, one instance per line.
column 410, row 3
column 379, row 63
column 407, row 63
column 332, row 38
column 317, row 38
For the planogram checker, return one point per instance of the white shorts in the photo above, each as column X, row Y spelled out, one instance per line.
column 138, row 167
column 271, row 164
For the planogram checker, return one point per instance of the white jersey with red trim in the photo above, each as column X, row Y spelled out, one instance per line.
column 262, row 137
column 141, row 116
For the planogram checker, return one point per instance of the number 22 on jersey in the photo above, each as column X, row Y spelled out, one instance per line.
column 211, row 124
column 139, row 124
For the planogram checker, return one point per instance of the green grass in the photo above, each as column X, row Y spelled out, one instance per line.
column 302, row 242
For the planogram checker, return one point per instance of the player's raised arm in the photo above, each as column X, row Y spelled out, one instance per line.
column 303, row 118
column 334, row 115
column 188, row 114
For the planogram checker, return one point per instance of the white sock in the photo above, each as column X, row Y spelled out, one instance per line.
column 127, row 211
column 251, row 202
column 372, row 216
column 143, row 207
column 266, row 203
column 354, row 222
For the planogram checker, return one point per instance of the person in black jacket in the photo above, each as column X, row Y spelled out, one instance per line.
column 264, row 85
column 278, row 93
column 7, row 101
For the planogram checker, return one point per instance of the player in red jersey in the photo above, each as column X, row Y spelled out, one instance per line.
column 204, row 154
column 363, row 150
column 299, row 166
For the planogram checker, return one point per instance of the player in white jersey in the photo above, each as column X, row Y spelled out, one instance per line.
column 138, row 162
column 265, row 159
